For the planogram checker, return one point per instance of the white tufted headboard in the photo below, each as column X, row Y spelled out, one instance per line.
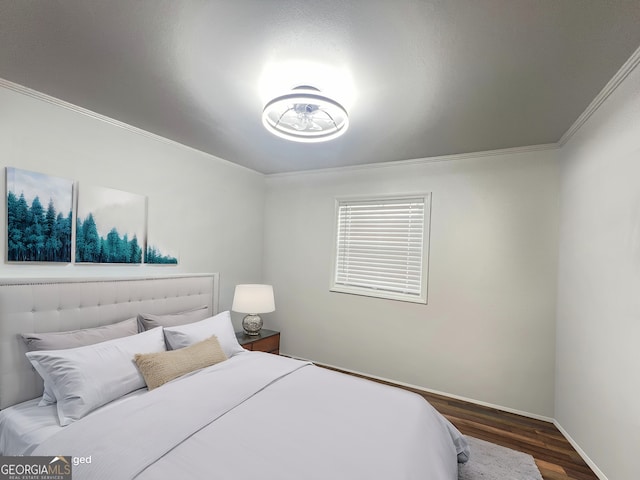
column 60, row 304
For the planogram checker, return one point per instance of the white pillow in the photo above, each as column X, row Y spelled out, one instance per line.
column 73, row 339
column 219, row 325
column 85, row 378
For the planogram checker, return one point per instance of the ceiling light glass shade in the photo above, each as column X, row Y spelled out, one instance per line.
column 305, row 115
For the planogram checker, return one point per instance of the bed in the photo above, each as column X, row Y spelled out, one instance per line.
column 243, row 415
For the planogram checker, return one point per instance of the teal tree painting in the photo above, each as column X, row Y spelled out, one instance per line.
column 156, row 255
column 39, row 217
column 161, row 239
column 110, row 226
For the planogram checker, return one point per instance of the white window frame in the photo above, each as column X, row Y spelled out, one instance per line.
column 380, row 292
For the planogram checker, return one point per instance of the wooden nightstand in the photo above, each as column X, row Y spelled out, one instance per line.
column 266, row 341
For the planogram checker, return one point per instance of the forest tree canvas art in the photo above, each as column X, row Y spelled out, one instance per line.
column 39, row 217
column 161, row 242
column 110, row 226
column 157, row 255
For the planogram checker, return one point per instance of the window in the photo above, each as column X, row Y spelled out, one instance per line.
column 381, row 247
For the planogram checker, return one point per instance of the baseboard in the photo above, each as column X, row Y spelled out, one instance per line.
column 581, row 452
column 436, row 392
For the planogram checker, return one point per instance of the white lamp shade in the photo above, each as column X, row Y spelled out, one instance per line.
column 253, row 298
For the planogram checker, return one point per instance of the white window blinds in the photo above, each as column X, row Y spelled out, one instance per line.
column 381, row 247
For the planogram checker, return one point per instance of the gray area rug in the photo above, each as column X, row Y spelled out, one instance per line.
column 489, row 461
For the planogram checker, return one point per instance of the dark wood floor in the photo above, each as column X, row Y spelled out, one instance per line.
column 554, row 455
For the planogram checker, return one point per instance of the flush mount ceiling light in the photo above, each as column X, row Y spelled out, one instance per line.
column 305, row 115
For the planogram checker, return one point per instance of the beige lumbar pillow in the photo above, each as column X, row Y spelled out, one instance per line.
column 162, row 367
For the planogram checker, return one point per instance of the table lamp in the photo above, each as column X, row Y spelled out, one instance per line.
column 253, row 299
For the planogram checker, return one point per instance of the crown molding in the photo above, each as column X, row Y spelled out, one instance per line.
column 608, row 89
column 111, row 121
column 421, row 161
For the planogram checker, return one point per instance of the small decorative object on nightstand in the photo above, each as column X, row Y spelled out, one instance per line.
column 265, row 341
column 253, row 299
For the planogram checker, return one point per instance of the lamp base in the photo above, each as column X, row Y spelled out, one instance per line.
column 252, row 324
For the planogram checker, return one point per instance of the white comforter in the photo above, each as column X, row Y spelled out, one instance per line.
column 263, row 416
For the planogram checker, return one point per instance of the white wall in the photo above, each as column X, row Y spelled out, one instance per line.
column 488, row 330
column 598, row 321
column 210, row 209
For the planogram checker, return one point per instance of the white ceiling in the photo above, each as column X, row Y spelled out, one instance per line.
column 419, row 78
